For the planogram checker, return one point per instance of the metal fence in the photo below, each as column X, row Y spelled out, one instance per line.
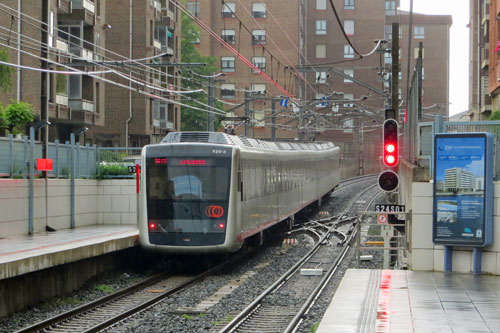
column 15, row 156
column 428, row 129
column 89, row 161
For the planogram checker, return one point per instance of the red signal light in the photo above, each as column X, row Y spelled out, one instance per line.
column 221, row 225
column 390, row 144
column 390, row 148
column 152, row 226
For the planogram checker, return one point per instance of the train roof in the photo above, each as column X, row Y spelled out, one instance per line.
column 223, row 138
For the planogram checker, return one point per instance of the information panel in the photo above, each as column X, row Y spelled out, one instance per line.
column 463, row 189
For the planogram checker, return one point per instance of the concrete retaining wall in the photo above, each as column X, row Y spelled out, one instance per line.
column 425, row 256
column 96, row 202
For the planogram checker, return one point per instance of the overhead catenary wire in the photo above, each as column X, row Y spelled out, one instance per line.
column 45, row 46
column 277, row 47
column 149, row 94
column 123, row 62
column 231, row 49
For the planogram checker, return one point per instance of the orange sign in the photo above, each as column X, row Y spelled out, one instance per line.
column 214, row 211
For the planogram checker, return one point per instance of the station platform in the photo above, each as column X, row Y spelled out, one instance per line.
column 27, row 254
column 410, row 301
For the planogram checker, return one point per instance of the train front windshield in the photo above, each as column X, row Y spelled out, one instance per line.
column 187, row 200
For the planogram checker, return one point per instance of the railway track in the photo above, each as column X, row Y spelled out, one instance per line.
column 110, row 309
column 264, row 314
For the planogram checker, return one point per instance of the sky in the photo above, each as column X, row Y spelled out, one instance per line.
column 459, row 53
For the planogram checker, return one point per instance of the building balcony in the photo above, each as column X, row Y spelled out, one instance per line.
column 157, row 7
column 82, row 53
column 167, row 17
column 167, row 50
column 64, row 6
column 485, row 55
column 83, row 10
column 157, row 44
column 62, row 100
column 61, row 45
column 81, row 105
column 59, row 112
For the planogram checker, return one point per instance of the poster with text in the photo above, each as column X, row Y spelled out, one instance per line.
column 459, row 190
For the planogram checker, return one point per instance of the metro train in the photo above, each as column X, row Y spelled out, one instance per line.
column 209, row 192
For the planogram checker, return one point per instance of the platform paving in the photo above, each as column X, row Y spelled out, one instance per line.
column 409, row 301
column 26, row 254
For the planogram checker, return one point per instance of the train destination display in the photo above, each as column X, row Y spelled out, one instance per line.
column 463, row 189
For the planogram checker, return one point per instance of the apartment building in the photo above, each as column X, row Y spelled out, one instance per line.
column 494, row 54
column 80, row 34
column 137, row 30
column 68, row 102
column 480, row 102
column 267, row 34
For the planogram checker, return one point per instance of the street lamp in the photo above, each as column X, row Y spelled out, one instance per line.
column 31, row 168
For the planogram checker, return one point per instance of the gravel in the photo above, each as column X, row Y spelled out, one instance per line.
column 273, row 261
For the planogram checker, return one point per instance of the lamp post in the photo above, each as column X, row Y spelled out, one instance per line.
column 31, row 168
column 78, row 132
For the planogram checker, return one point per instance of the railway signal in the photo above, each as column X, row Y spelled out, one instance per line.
column 390, row 146
column 388, row 181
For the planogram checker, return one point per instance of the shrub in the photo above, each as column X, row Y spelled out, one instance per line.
column 17, row 115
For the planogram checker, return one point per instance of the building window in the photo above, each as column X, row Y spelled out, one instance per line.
column 387, row 58
column 349, row 72
column 390, row 8
column 320, row 50
column 349, row 27
column 388, row 32
column 227, row 91
column 227, row 64
column 228, row 9
column 229, row 36
column 415, row 53
column 259, row 88
column 321, row 101
column 321, row 27
column 321, row 4
column 419, row 32
column 51, row 29
column 321, row 77
column 348, row 52
column 259, row 37
column 348, row 4
column 348, row 97
column 98, row 8
column 259, row 118
column 194, row 8
column 259, row 10
column 260, row 63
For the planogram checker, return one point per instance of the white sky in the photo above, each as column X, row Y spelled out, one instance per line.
column 459, row 53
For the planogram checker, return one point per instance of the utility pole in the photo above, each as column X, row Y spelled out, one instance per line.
column 395, row 70
column 211, row 102
column 44, row 107
column 247, row 112
column 273, row 120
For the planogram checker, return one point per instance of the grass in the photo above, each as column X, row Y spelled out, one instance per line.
column 186, row 316
column 314, row 327
column 105, row 288
column 223, row 321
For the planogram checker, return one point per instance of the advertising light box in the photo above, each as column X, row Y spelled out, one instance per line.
column 463, row 189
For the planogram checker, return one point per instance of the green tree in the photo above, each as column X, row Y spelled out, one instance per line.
column 5, row 71
column 195, row 120
column 495, row 115
column 17, row 115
